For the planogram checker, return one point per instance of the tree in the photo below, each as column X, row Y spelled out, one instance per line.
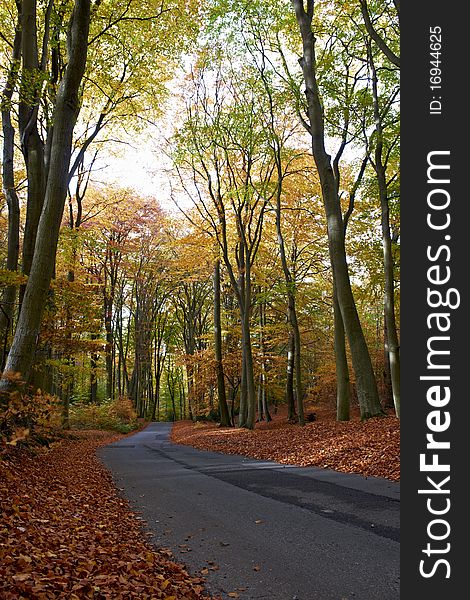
column 379, row 162
column 21, row 353
column 11, row 195
column 223, row 407
column 223, row 144
column 389, row 15
column 365, row 378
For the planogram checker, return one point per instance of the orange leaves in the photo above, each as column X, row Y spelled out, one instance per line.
column 370, row 448
column 21, row 409
column 65, row 533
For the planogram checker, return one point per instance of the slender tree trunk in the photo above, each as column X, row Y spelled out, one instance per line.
column 31, row 143
column 393, row 344
column 387, row 380
column 291, row 415
column 259, row 401
column 248, row 352
column 223, row 408
column 264, row 397
column 156, row 403
column 233, row 396
column 292, row 313
column 365, row 378
column 108, row 311
column 299, row 393
column 263, row 409
column 183, row 397
column 7, row 304
column 93, row 375
column 343, row 389
column 190, row 377
column 242, row 410
column 20, row 357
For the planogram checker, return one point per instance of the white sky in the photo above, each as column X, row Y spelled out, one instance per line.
column 141, row 162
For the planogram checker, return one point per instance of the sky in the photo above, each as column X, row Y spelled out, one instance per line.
column 141, row 163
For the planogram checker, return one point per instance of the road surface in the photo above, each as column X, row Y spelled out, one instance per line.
column 260, row 529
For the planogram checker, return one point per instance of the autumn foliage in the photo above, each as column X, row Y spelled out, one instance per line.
column 66, row 533
column 370, row 448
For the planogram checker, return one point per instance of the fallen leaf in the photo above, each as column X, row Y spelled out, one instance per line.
column 370, row 447
column 81, row 540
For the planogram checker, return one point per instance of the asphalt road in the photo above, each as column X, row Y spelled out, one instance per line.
column 261, row 529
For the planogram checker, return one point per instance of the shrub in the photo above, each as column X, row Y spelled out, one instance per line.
column 24, row 413
column 116, row 415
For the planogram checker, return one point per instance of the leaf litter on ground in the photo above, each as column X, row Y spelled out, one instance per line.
column 370, row 448
column 66, row 533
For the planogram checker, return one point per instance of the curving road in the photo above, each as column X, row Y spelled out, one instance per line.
column 261, row 529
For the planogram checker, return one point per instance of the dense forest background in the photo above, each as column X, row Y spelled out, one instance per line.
column 269, row 277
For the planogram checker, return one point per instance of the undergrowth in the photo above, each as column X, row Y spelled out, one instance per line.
column 114, row 415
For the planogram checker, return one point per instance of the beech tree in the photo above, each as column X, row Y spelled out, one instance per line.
column 283, row 272
column 9, row 189
column 21, row 353
column 226, row 152
column 382, row 150
column 365, row 377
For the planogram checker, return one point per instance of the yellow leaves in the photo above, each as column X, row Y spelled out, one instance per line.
column 15, row 278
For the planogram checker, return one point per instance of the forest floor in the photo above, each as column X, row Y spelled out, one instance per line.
column 370, row 448
column 66, row 533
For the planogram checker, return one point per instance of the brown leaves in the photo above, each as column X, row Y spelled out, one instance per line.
column 370, row 448
column 65, row 533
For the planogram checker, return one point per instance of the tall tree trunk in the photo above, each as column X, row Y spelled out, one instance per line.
column 31, row 143
column 263, row 408
column 365, row 378
column 264, row 397
column 157, row 370
column 242, row 409
column 156, row 403
column 191, row 392
column 292, row 313
column 94, row 357
column 387, row 399
column 343, row 388
column 66, row 110
column 7, row 303
column 291, row 415
column 393, row 345
column 248, row 353
column 223, row 408
column 299, row 393
column 108, row 311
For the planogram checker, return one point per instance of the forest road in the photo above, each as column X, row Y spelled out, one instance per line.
column 261, row 529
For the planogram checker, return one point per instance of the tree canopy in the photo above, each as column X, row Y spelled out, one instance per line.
column 271, row 275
